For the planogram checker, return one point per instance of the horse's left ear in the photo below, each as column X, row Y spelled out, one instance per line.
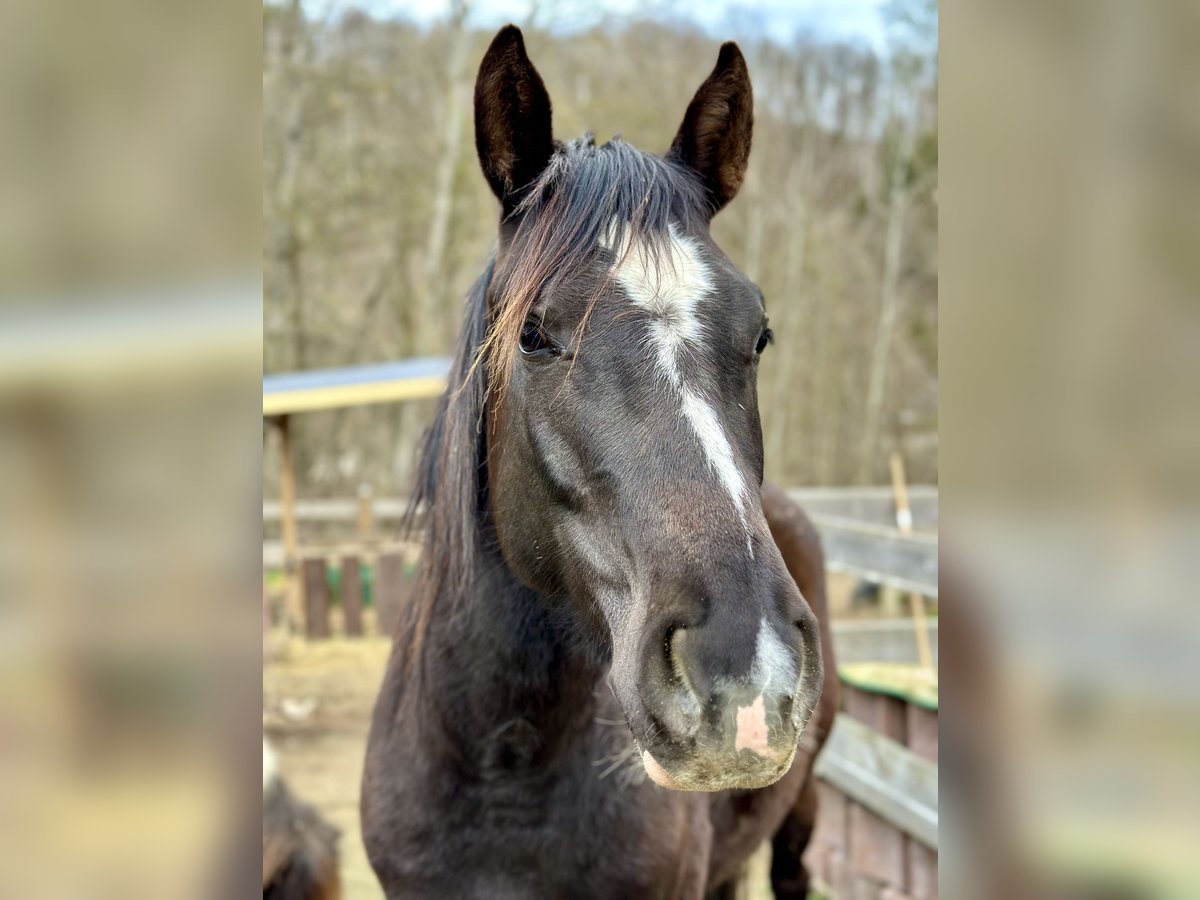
column 714, row 138
column 512, row 118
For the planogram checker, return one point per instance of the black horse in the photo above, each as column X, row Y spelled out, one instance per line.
column 607, row 590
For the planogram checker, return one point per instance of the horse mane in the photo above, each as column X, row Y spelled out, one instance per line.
column 557, row 230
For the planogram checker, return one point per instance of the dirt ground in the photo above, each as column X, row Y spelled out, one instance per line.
column 317, row 700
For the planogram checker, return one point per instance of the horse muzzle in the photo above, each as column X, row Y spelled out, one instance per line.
column 719, row 732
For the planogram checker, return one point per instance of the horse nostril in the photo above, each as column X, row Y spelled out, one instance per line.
column 668, row 651
column 674, row 647
column 809, row 634
column 689, row 702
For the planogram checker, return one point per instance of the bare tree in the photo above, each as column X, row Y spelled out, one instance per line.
column 377, row 220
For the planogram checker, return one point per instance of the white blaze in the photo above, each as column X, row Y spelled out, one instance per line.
column 670, row 287
column 773, row 662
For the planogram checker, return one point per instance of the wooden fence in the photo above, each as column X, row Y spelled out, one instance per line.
column 877, row 829
column 356, row 593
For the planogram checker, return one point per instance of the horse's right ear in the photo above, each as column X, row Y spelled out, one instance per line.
column 512, row 118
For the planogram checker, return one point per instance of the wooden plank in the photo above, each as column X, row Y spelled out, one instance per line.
column 840, row 874
column 386, row 509
column 872, row 505
column 830, row 830
column 923, row 732
column 880, row 554
column 878, row 640
column 272, row 551
column 353, row 395
column 316, row 599
column 354, row 386
column 867, row 506
column 884, row 715
column 352, row 598
column 287, row 512
column 886, row 778
column 877, row 848
column 389, row 590
column 366, row 513
column 922, row 871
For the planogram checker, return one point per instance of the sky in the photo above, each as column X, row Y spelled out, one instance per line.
column 849, row 20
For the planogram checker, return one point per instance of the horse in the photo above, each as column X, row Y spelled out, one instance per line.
column 611, row 678
column 300, row 854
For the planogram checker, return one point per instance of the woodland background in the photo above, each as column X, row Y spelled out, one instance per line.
column 377, row 219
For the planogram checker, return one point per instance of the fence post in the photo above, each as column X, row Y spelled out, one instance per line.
column 316, row 599
column 366, row 512
column 352, row 595
column 904, row 521
column 288, row 530
column 389, row 589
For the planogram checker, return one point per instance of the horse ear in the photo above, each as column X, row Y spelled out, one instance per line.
column 714, row 138
column 512, row 118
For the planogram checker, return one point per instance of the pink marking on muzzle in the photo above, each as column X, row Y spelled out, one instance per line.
column 752, row 728
column 657, row 773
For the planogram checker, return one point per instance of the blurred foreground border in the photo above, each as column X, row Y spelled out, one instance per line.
column 1070, row 350
column 130, row 436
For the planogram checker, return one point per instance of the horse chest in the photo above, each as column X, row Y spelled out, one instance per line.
column 562, row 831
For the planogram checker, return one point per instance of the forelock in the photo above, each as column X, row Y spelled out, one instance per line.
column 568, row 217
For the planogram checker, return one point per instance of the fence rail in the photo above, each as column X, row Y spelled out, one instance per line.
column 866, row 506
column 889, row 779
column 880, row 554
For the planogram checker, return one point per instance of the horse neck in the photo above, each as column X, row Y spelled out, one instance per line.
column 508, row 667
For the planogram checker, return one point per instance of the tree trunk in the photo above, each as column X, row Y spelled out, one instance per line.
column 430, row 286
column 889, row 306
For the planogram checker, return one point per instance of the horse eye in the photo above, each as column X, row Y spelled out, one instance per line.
column 767, row 337
column 534, row 340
